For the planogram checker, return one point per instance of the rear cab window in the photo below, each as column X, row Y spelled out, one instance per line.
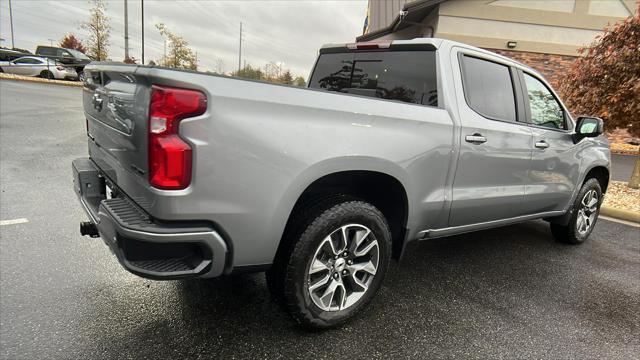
column 489, row 89
column 46, row 51
column 402, row 75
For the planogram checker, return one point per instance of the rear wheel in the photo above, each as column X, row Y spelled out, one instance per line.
column 337, row 262
column 46, row 74
column 585, row 214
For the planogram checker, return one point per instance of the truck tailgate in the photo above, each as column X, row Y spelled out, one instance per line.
column 116, row 104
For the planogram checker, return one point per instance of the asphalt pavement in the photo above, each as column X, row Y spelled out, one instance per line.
column 504, row 293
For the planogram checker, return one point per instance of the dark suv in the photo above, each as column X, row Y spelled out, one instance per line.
column 69, row 57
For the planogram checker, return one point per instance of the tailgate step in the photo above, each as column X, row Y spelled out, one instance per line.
column 130, row 216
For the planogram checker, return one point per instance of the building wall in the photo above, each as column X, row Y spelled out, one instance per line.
column 541, row 26
column 552, row 27
column 551, row 66
column 383, row 12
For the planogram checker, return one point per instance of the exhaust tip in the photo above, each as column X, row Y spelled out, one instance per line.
column 88, row 228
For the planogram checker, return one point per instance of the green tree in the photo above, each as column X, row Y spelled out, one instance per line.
column 286, row 78
column 180, row 55
column 249, row 72
column 300, row 81
column 605, row 81
column 99, row 29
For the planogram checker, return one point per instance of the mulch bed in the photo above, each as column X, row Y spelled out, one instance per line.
column 620, row 196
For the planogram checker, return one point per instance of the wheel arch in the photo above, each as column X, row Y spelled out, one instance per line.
column 600, row 173
column 338, row 176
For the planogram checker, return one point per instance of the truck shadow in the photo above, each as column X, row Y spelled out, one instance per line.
column 443, row 286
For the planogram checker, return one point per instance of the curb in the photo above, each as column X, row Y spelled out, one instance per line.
column 627, row 153
column 4, row 76
column 621, row 214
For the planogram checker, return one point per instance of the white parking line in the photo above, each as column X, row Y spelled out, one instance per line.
column 14, row 221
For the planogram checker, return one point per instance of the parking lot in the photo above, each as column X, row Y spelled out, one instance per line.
column 504, row 293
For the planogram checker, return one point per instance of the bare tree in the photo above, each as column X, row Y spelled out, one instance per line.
column 99, row 29
column 219, row 68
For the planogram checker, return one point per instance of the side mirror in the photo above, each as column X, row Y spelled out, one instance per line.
column 589, row 126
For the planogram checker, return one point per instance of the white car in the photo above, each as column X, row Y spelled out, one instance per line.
column 37, row 66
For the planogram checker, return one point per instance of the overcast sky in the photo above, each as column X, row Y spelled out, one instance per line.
column 278, row 31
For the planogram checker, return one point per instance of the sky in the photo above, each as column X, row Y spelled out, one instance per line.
column 289, row 32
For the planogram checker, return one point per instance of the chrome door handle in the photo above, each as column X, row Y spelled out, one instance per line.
column 542, row 144
column 475, row 139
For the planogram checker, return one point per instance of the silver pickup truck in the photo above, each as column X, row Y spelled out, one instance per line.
column 196, row 175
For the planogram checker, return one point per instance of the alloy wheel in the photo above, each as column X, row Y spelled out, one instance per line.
column 343, row 267
column 587, row 212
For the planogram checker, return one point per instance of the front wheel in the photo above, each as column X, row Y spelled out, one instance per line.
column 585, row 214
column 338, row 262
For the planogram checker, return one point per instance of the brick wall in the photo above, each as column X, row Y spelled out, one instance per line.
column 549, row 65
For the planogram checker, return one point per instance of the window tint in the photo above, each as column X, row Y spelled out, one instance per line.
column 47, row 51
column 62, row 53
column 78, row 54
column 28, row 61
column 408, row 76
column 545, row 109
column 488, row 88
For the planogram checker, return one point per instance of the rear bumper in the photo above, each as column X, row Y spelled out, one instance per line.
column 145, row 246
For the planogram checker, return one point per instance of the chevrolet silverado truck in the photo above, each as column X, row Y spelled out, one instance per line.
column 197, row 175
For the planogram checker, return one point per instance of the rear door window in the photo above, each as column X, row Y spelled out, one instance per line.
column 408, row 76
column 28, row 61
column 488, row 88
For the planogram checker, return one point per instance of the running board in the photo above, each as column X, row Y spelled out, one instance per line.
column 455, row 230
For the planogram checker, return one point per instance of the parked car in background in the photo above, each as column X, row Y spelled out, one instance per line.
column 37, row 66
column 8, row 54
column 70, row 57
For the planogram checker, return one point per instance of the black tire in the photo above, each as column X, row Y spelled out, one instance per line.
column 1, row 71
column 569, row 233
column 288, row 278
column 309, row 209
column 46, row 74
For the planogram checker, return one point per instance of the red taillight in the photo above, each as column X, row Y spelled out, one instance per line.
column 169, row 155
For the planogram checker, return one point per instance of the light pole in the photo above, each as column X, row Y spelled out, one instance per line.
column 50, row 42
column 142, row 11
column 240, row 49
column 126, row 31
column 13, row 45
